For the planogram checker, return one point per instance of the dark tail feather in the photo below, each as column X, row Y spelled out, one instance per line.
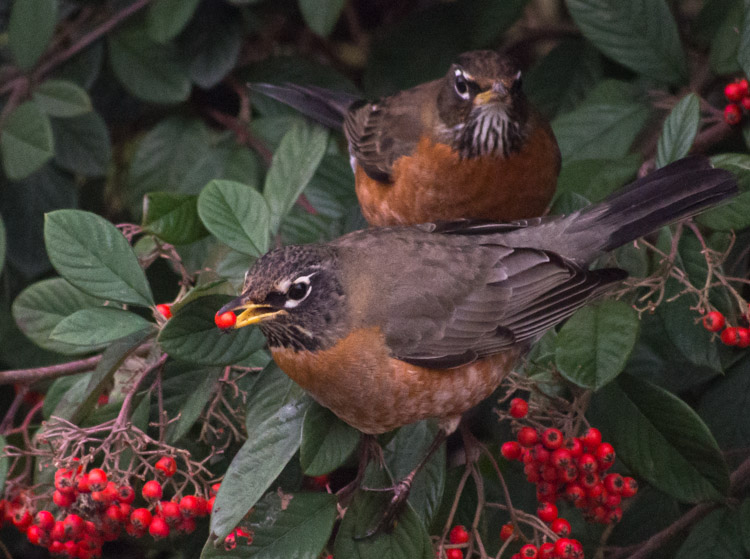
column 679, row 190
column 322, row 105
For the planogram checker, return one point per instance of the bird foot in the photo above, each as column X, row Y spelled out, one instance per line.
column 387, row 520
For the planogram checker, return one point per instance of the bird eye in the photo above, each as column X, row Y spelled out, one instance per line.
column 297, row 291
column 461, row 85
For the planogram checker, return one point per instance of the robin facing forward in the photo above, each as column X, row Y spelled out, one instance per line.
column 388, row 326
column 467, row 145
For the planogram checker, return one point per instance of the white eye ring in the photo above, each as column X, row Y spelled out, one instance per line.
column 303, row 281
column 461, row 84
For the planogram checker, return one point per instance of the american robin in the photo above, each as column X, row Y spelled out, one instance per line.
column 388, row 326
column 467, row 145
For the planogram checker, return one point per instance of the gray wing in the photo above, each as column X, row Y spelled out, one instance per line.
column 521, row 294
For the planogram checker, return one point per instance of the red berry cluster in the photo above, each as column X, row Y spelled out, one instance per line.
column 91, row 510
column 574, row 469
column 738, row 95
column 738, row 336
column 457, row 536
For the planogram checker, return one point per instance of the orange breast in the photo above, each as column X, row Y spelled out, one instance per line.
column 364, row 386
column 434, row 183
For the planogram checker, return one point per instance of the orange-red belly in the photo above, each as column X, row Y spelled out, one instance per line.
column 365, row 387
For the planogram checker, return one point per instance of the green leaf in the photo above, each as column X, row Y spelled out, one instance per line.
column 82, row 144
column 41, row 306
column 321, row 17
column 679, row 130
column 293, row 165
column 31, row 25
column 26, row 141
column 595, row 343
column 640, row 34
column 327, row 441
column 402, row 454
column 191, row 335
column 744, row 515
column 237, row 215
column 723, row 406
column 192, row 404
column 661, row 439
column 736, row 213
column 166, row 18
column 4, row 464
column 743, row 51
column 91, row 327
column 291, row 525
column 408, row 540
column 602, row 127
column 173, row 217
column 717, row 536
column 150, row 71
column 595, row 179
column 93, row 255
column 273, row 438
column 62, row 98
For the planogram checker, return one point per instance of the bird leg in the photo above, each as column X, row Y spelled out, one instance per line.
column 369, row 449
column 401, row 490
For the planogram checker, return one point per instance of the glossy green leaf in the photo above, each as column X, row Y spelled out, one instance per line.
column 321, row 16
column 603, row 126
column 725, row 41
column 291, row 525
column 404, row 451
column 173, row 217
column 639, row 34
column 62, row 98
column 723, row 407
column 93, row 255
column 191, row 335
column 30, row 29
column 595, row 179
column 41, row 306
column 82, row 144
column 25, row 141
column 4, row 463
column 293, row 165
column 273, row 438
column 407, row 540
column 327, row 441
column 237, row 215
column 743, row 51
column 661, row 439
column 595, row 343
column 166, row 18
column 91, row 327
column 717, row 536
column 150, row 71
column 736, row 213
column 679, row 130
column 192, row 402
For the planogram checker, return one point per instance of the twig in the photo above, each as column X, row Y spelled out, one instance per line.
column 29, row 376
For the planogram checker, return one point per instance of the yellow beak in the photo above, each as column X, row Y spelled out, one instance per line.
column 251, row 312
column 487, row 97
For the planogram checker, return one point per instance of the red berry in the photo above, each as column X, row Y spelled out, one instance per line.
column 547, row 512
column 546, row 551
column 454, row 553
column 613, row 483
column 152, row 490
column 733, row 91
column 73, row 526
column 63, row 500
column 743, row 337
column 114, row 515
column 225, row 320
column 187, row 525
column 70, row 548
column 45, row 520
column 97, row 479
column 506, row 531
column 107, row 495
column 745, row 102
column 587, row 464
column 158, row 528
column 519, row 408
column 230, row 542
column 189, row 506
column 539, row 454
column 171, row 512
column 83, row 484
column 732, row 114
column 713, row 321
column 588, row 480
column 629, row 487
column 164, row 310
column 561, row 458
column 595, row 492
column 549, row 473
column 605, row 456
column 166, row 465
column 125, row 494
column 574, row 446
column 36, row 535
column 210, row 504
column 546, row 491
column 58, row 531
column 511, row 450
column 529, row 551
column 564, row 548
column 561, row 527
column 215, row 488
column 592, row 438
column 568, row 474
column 612, row 501
column 528, row 436
column 203, row 509
column 141, row 518
column 552, row 438
column 613, row 516
column 458, row 534
column 744, row 87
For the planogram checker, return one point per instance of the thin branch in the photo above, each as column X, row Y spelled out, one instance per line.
column 29, row 376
